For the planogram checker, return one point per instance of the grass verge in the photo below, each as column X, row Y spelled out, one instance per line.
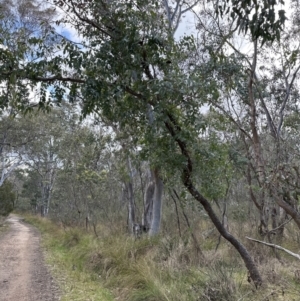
column 3, row 225
column 76, row 283
column 117, row 267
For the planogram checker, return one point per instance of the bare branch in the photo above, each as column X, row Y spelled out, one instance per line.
column 190, row 7
column 275, row 247
column 286, row 222
column 49, row 79
column 178, row 20
column 58, row 78
column 178, row 5
column 177, row 12
column 269, row 118
column 233, row 120
column 89, row 21
column 132, row 92
column 288, row 92
column 166, row 3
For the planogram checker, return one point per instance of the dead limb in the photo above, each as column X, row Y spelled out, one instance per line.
column 276, row 247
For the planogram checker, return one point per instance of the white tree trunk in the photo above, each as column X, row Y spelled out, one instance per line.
column 148, row 206
column 131, row 203
column 157, row 204
column 7, row 169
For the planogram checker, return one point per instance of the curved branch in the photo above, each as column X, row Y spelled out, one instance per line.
column 89, row 21
column 175, row 131
column 233, row 120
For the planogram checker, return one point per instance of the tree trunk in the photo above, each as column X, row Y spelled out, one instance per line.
column 157, row 204
column 158, row 185
column 254, row 274
column 131, row 207
column 131, row 203
column 289, row 210
column 148, row 206
column 175, row 131
column 46, row 196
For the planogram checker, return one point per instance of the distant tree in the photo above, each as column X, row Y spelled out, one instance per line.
column 129, row 67
column 30, row 194
column 260, row 100
column 22, row 24
column 7, row 198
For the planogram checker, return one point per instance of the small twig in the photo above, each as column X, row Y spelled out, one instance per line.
column 245, row 296
column 195, row 240
column 286, row 222
column 276, row 247
column 177, row 213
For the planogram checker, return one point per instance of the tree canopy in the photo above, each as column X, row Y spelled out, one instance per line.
column 193, row 106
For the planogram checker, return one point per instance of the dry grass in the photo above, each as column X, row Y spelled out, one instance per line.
column 117, row 267
column 3, row 226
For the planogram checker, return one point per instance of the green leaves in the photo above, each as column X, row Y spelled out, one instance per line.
column 127, row 61
column 7, row 198
column 258, row 17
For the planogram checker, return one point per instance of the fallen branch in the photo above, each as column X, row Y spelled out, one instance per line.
column 275, row 246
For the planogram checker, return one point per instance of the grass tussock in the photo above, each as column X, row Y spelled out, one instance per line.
column 115, row 266
column 3, row 226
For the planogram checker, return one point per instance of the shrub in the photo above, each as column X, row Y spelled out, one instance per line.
column 7, row 198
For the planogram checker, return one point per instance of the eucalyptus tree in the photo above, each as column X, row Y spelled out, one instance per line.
column 259, row 90
column 21, row 23
column 12, row 143
column 42, row 154
column 7, row 198
column 128, row 62
column 87, row 186
column 16, row 134
column 30, row 193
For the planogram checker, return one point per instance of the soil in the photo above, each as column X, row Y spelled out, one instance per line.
column 24, row 275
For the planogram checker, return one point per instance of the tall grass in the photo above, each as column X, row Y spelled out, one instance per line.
column 115, row 266
column 3, row 225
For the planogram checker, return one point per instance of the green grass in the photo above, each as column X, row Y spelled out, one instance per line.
column 4, row 227
column 114, row 266
column 65, row 254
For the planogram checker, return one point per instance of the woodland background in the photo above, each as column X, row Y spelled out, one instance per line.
column 115, row 121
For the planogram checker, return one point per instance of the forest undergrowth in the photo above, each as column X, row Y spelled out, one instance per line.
column 3, row 226
column 115, row 266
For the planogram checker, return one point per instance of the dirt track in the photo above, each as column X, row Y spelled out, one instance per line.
column 23, row 274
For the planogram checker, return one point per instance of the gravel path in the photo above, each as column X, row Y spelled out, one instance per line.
column 23, row 273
